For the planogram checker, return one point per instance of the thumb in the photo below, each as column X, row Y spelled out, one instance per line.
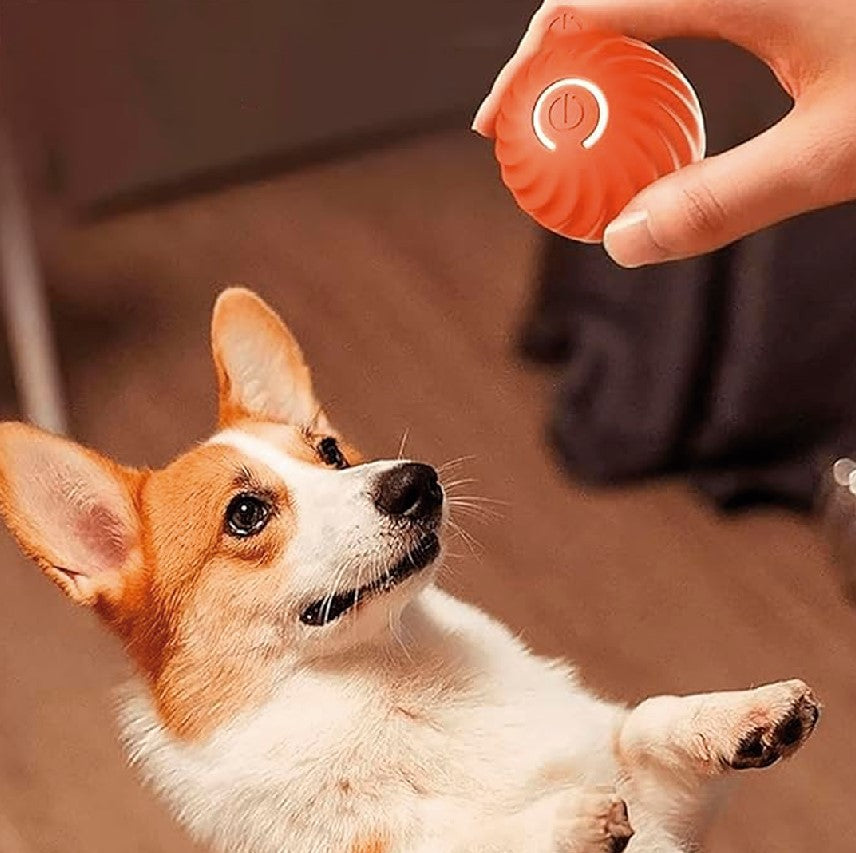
column 790, row 169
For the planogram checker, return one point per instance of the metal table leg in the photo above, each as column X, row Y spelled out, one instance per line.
column 24, row 303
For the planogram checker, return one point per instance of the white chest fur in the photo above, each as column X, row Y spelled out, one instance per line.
column 459, row 725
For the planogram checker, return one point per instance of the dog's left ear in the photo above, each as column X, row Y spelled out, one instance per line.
column 260, row 368
column 72, row 510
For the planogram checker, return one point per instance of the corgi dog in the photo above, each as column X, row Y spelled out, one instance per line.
column 301, row 683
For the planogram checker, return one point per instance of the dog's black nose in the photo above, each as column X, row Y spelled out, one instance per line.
column 410, row 489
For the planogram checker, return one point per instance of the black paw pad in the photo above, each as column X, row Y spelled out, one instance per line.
column 765, row 745
column 618, row 845
column 618, row 826
column 755, row 751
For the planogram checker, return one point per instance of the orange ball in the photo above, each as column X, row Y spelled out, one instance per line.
column 587, row 123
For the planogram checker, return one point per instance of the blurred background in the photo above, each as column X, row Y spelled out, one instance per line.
column 153, row 152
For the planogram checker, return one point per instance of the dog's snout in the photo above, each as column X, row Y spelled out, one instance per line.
column 411, row 490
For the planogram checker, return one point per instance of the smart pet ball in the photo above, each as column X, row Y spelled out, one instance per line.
column 588, row 122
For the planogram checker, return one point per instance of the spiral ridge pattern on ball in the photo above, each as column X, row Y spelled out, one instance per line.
column 564, row 180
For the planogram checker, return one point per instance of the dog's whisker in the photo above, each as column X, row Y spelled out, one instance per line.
column 490, row 509
column 405, row 435
column 394, row 624
column 470, row 504
column 480, row 499
column 469, row 540
column 445, row 569
column 452, row 463
column 333, row 591
column 470, row 552
column 474, row 516
column 461, row 534
column 359, row 583
column 480, row 513
column 457, row 554
column 455, row 483
column 474, row 546
column 338, row 579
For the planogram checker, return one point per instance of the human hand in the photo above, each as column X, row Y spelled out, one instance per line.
column 806, row 161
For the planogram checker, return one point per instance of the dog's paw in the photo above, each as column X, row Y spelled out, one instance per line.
column 592, row 822
column 778, row 722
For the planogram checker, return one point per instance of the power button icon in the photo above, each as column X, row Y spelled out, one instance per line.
column 565, row 111
column 567, row 105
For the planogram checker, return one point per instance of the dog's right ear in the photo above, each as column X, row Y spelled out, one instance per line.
column 261, row 372
column 71, row 510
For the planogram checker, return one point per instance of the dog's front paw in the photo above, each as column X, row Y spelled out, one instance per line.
column 592, row 822
column 778, row 722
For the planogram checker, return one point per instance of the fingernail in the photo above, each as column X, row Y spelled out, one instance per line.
column 629, row 243
column 476, row 123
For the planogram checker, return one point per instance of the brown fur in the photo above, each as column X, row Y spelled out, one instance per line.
column 372, row 845
column 191, row 626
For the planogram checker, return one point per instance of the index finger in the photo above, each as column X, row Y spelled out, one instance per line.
column 643, row 19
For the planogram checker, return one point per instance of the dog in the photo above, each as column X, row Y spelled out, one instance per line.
column 303, row 686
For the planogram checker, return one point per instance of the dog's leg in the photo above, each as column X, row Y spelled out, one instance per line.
column 591, row 821
column 668, row 747
column 715, row 732
column 575, row 820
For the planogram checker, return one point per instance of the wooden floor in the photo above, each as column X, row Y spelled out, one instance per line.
column 404, row 274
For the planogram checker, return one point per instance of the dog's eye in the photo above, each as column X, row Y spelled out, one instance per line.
column 246, row 515
column 331, row 454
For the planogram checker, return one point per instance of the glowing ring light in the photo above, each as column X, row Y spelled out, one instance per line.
column 569, row 82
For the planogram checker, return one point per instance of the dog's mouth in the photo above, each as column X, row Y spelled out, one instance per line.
column 330, row 608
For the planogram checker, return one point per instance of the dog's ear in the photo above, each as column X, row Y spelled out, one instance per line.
column 260, row 368
column 70, row 510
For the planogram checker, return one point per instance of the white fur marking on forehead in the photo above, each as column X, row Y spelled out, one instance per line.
column 259, row 450
column 334, row 500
